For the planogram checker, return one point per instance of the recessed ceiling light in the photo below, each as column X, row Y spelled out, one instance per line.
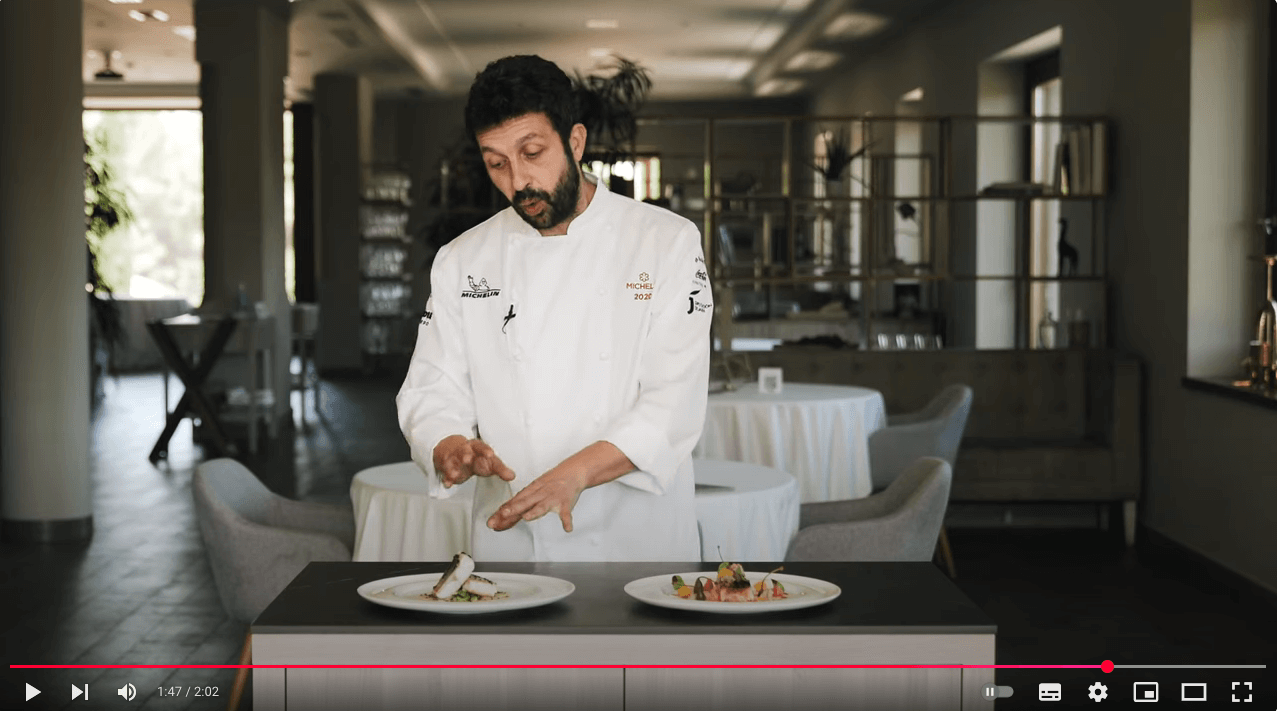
column 159, row 15
column 137, row 15
column 127, row 2
column 600, row 52
column 602, row 24
column 912, row 95
column 851, row 25
column 776, row 87
column 187, row 31
column 765, row 37
column 812, row 60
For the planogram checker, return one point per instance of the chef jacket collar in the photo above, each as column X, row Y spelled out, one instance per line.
column 591, row 220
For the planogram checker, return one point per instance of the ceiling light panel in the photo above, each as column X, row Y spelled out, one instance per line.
column 599, row 24
column 159, row 15
column 812, row 60
column 185, row 31
column 854, row 25
column 779, row 87
column 137, row 15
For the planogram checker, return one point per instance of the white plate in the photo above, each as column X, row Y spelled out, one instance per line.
column 803, row 592
column 524, row 591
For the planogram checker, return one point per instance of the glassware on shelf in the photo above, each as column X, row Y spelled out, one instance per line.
column 383, row 221
column 375, row 337
column 382, row 260
column 1048, row 330
column 383, row 298
column 388, row 186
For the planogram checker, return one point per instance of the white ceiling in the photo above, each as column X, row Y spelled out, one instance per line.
column 695, row 49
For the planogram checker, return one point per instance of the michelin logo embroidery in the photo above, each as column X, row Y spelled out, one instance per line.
column 479, row 290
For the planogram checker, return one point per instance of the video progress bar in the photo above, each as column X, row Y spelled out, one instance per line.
column 1190, row 666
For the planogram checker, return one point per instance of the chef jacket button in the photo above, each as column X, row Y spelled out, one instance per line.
column 604, row 355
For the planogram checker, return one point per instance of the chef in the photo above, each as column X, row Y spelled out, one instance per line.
column 563, row 358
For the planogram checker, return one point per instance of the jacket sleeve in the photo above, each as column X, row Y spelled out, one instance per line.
column 437, row 400
column 659, row 432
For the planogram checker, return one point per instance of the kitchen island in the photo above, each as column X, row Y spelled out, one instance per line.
column 887, row 614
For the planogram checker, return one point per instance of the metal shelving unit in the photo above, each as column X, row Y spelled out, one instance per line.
column 932, row 218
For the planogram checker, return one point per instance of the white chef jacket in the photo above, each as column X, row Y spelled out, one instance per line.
column 609, row 340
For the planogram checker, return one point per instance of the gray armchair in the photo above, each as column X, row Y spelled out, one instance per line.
column 899, row 524
column 934, row 431
column 257, row 541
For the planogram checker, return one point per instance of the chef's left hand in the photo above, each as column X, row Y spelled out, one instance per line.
column 556, row 490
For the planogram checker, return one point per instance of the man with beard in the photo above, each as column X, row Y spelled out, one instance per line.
column 563, row 358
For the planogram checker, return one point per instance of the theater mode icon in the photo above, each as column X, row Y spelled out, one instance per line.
column 1048, row 691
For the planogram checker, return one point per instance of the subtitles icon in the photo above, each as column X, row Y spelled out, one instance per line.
column 128, row 691
column 1192, row 691
column 1145, row 692
column 1049, row 692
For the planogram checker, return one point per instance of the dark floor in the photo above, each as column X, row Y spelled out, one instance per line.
column 141, row 592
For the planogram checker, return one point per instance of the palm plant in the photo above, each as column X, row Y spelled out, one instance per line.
column 838, row 155
column 608, row 107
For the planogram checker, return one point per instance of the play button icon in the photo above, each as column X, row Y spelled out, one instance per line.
column 31, row 692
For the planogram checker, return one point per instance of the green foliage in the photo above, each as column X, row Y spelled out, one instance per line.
column 105, row 210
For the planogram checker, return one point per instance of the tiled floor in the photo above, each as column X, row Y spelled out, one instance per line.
column 141, row 592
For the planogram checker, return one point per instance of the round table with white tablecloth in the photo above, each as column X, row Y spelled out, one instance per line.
column 747, row 511
column 818, row 433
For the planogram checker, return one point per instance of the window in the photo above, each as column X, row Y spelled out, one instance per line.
column 1044, row 94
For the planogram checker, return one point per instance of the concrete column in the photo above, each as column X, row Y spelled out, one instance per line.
column 44, row 310
column 343, row 150
column 242, row 47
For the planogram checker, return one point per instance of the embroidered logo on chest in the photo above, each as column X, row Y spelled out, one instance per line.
column 480, row 289
column 642, row 288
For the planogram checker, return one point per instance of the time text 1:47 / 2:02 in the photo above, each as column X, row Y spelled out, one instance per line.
column 166, row 691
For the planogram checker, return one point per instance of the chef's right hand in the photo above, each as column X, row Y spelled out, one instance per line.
column 457, row 458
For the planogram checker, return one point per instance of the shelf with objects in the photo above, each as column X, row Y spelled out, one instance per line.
column 385, row 287
column 898, row 232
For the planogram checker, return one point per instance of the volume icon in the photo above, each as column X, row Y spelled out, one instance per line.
column 128, row 691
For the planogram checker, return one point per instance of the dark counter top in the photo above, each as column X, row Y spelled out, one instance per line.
column 877, row 598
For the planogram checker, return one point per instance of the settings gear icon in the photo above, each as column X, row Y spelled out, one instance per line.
column 1097, row 691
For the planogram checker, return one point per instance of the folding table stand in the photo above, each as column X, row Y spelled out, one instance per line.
column 193, row 377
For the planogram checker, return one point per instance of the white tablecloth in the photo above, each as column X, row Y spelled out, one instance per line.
column 396, row 520
column 754, row 519
column 818, row 433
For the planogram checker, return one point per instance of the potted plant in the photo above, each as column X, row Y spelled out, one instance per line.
column 838, row 156
column 105, row 210
column 608, row 107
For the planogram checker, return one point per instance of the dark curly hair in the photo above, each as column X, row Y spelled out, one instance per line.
column 513, row 86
